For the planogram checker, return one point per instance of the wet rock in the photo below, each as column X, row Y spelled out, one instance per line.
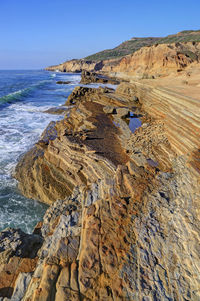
column 60, row 82
column 57, row 110
column 16, row 242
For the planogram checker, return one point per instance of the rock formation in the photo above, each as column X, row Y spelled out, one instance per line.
column 157, row 60
column 77, row 66
column 148, row 62
column 88, row 77
column 121, row 173
column 18, row 258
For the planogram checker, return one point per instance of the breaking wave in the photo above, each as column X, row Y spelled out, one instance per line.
column 21, row 94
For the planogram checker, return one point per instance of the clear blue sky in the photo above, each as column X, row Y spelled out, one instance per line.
column 38, row 33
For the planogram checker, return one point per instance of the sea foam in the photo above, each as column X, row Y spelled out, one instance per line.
column 22, row 120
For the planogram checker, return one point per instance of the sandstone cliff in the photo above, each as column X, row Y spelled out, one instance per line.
column 148, row 62
column 77, row 66
column 158, row 60
column 124, row 223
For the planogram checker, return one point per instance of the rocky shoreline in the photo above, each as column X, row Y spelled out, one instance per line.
column 124, row 201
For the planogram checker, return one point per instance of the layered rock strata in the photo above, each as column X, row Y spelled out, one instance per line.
column 124, row 220
column 148, row 62
column 158, row 60
column 179, row 114
column 77, row 150
column 77, row 66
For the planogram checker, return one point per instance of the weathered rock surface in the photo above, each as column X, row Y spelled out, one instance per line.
column 157, row 60
column 124, row 219
column 179, row 114
column 92, row 77
column 18, row 258
column 77, row 66
column 74, row 151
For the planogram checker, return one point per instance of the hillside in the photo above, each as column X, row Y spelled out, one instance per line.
column 123, row 49
column 135, row 44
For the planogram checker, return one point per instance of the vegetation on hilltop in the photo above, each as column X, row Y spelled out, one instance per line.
column 135, row 44
column 123, row 49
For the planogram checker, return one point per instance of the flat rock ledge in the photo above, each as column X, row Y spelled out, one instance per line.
column 123, row 221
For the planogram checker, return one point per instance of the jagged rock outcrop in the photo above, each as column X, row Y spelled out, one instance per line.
column 124, row 223
column 73, row 151
column 92, row 77
column 61, row 82
column 18, row 259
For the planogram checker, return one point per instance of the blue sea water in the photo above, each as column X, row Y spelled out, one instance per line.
column 24, row 96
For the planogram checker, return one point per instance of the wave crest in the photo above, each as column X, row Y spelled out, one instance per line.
column 20, row 94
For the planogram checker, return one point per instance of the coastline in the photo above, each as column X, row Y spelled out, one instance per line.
column 22, row 121
column 127, row 202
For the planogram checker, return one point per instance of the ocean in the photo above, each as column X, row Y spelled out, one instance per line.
column 24, row 96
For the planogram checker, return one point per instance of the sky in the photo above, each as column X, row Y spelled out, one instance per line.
column 38, row 33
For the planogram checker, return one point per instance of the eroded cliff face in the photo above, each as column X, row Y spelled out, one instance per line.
column 124, row 223
column 77, row 66
column 148, row 62
column 157, row 60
